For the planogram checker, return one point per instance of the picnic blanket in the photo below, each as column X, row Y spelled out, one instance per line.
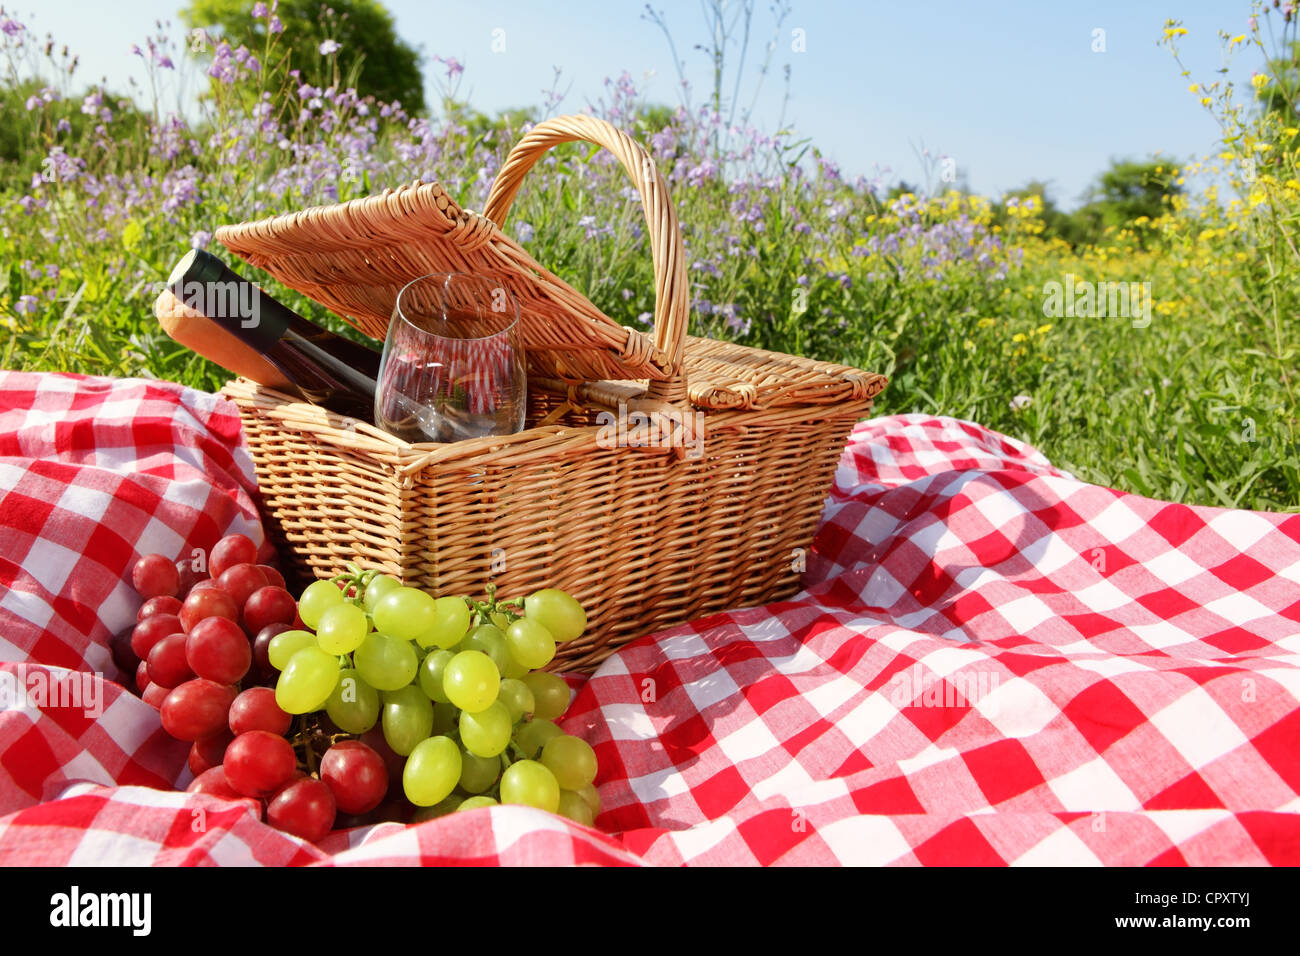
column 991, row 663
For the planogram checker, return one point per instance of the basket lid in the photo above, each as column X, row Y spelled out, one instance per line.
column 354, row 258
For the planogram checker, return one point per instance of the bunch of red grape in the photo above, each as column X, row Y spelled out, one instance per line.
column 431, row 702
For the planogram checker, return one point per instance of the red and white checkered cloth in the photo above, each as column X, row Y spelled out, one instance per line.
column 992, row 663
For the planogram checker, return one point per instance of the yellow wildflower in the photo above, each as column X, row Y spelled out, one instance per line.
column 1043, row 329
column 1259, row 81
column 987, row 323
column 1019, row 337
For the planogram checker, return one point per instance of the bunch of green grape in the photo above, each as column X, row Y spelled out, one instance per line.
column 455, row 685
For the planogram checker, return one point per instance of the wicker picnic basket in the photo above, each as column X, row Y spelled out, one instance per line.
column 645, row 536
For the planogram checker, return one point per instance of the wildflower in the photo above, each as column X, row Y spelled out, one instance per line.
column 1259, row 80
column 1171, row 32
column 275, row 26
column 25, row 305
column 524, row 231
column 1021, row 401
column 987, row 323
column 259, row 10
column 644, row 318
column 1043, row 329
column 1019, row 337
column 200, row 239
column 330, row 46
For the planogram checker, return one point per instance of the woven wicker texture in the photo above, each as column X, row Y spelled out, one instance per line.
column 647, row 521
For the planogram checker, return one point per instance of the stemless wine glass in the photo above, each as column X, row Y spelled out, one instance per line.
column 453, row 364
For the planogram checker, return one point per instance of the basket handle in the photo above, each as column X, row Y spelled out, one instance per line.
column 672, row 300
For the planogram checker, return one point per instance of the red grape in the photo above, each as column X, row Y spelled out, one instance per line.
column 273, row 576
column 207, row 752
column 197, row 709
column 256, row 709
column 218, row 650
column 259, row 763
column 241, row 580
column 395, row 762
column 304, row 808
column 123, row 655
column 152, row 630
column 153, row 695
column 167, row 664
column 205, row 603
column 154, row 576
column 213, row 782
column 261, row 651
column 356, row 775
column 189, row 577
column 269, row 605
column 231, row 550
column 142, row 676
column 166, row 604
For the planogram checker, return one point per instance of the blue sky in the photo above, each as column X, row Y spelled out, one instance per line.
column 1012, row 91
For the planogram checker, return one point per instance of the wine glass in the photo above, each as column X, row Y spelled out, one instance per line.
column 453, row 363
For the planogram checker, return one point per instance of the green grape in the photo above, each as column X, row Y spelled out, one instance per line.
column 529, row 783
column 319, row 596
column 446, row 717
column 408, row 718
column 517, row 698
column 514, row 670
column 592, row 796
column 384, row 662
column 353, row 704
column 286, row 644
column 550, row 695
column 450, row 623
column 478, row 773
column 487, row 732
column 491, row 641
column 431, row 771
column 532, row 736
column 306, row 681
column 557, row 612
column 342, row 628
column 471, row 681
column 431, row 671
column 530, row 643
column 379, row 585
column 440, row 809
column 405, row 613
column 571, row 759
column 474, row 803
column 575, row 808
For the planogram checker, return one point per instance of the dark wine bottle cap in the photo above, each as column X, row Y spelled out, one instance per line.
column 198, row 266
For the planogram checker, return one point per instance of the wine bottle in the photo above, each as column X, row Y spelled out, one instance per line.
column 324, row 368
